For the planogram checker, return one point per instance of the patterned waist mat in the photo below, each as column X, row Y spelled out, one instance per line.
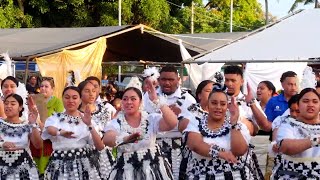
column 141, row 154
column 72, row 154
column 15, row 158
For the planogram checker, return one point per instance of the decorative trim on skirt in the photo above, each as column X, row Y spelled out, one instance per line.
column 141, row 165
column 289, row 168
column 171, row 150
column 17, row 165
column 80, row 163
column 106, row 162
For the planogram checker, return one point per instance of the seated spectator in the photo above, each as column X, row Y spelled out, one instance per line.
column 32, row 85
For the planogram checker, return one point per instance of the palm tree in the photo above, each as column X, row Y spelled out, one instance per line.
column 295, row 4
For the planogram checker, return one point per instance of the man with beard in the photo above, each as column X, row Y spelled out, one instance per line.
column 178, row 100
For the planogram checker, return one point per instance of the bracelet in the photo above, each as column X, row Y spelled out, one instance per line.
column 59, row 132
column 250, row 103
column 214, row 151
column 158, row 103
column 1, row 143
column 314, row 141
column 236, row 126
column 120, row 139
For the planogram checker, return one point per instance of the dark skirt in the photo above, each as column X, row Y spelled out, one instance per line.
column 17, row 165
column 81, row 163
column 171, row 150
column 141, row 165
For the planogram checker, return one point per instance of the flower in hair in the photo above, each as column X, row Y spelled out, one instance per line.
column 152, row 73
column 219, row 77
column 219, row 87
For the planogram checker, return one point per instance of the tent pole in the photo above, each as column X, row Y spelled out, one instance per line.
column 26, row 73
column 181, row 74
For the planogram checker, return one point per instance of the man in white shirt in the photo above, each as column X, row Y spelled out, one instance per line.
column 249, row 108
column 178, row 100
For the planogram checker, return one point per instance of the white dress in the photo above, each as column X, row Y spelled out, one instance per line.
column 170, row 141
column 101, row 117
column 18, row 164
column 141, row 160
column 305, row 165
column 202, row 168
column 72, row 158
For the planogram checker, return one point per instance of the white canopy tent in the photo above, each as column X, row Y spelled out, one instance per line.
column 291, row 40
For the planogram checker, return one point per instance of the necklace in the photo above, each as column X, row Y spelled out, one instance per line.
column 142, row 128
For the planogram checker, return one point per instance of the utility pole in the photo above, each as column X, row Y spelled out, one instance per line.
column 119, row 21
column 231, row 15
column 267, row 12
column 192, row 16
column 119, row 12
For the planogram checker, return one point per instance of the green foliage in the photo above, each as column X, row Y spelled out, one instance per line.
column 12, row 16
column 305, row 2
column 164, row 15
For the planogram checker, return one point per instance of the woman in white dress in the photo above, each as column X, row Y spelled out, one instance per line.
column 134, row 134
column 101, row 114
column 218, row 141
column 298, row 140
column 74, row 139
column 15, row 135
column 197, row 110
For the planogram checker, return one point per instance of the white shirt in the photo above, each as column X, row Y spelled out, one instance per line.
column 61, row 121
column 292, row 129
column 171, row 99
column 245, row 111
column 148, row 129
column 181, row 98
column 15, row 133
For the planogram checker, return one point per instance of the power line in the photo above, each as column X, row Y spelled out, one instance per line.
column 209, row 16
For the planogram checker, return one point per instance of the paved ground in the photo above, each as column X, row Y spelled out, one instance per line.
column 261, row 148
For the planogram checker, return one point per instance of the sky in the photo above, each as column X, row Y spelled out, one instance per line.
column 280, row 8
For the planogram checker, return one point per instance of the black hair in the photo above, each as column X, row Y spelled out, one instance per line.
column 169, row 68
column 233, row 70
column 287, row 74
column 19, row 100
column 294, row 99
column 305, row 91
column 72, row 88
column 318, row 84
column 218, row 88
column 11, row 78
column 94, row 79
column 270, row 86
column 135, row 90
column 200, row 88
column 83, row 84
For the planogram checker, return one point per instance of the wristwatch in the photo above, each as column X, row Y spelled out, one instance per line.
column 90, row 128
column 314, row 141
column 236, row 126
column 250, row 103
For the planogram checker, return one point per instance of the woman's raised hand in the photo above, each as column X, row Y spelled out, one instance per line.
column 86, row 118
column 234, row 110
column 151, row 89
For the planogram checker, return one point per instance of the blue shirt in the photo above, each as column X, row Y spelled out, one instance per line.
column 276, row 106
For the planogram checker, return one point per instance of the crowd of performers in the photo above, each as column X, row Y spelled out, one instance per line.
column 162, row 133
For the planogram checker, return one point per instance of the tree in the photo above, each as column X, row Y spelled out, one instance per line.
column 296, row 2
column 12, row 17
column 215, row 17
